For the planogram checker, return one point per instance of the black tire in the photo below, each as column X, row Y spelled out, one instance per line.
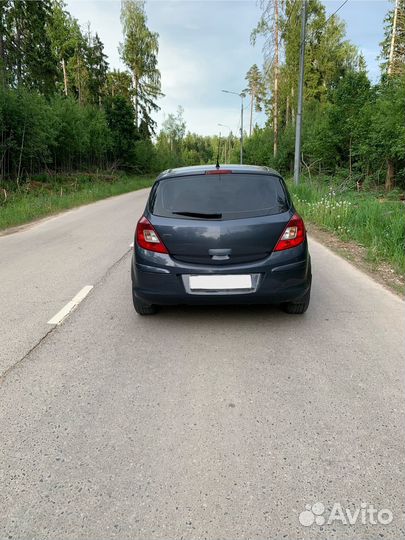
column 300, row 307
column 142, row 308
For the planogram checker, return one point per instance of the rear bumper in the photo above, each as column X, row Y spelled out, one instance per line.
column 160, row 279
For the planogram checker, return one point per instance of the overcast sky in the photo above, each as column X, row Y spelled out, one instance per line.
column 205, row 47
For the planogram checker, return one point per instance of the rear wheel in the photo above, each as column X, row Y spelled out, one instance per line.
column 299, row 307
column 144, row 309
column 141, row 307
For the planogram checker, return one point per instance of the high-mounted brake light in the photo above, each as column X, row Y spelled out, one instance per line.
column 218, row 171
column 147, row 237
column 293, row 235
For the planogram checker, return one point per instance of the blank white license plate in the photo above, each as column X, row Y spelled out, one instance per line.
column 215, row 283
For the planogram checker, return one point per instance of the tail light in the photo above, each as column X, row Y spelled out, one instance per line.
column 148, row 238
column 293, row 235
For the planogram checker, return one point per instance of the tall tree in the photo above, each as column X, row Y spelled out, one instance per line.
column 29, row 56
column 255, row 90
column 4, row 5
column 65, row 35
column 344, row 116
column 328, row 55
column 120, row 118
column 393, row 45
column 139, row 52
column 118, row 83
column 174, row 127
column 98, row 67
column 269, row 27
column 78, row 72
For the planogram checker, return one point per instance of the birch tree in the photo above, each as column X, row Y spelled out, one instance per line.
column 139, row 52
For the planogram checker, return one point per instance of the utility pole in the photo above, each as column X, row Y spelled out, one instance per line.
column 219, row 148
column 252, row 98
column 242, row 95
column 276, row 59
column 298, row 124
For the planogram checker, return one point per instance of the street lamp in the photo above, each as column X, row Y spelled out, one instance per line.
column 227, row 145
column 241, row 95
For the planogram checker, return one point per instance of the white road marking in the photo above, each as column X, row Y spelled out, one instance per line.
column 131, row 245
column 70, row 306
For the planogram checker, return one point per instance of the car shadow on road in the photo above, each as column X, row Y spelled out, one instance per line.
column 244, row 314
column 226, row 310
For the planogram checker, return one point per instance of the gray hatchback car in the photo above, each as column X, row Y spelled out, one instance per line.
column 220, row 235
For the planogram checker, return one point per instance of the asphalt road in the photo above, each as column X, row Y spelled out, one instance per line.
column 217, row 423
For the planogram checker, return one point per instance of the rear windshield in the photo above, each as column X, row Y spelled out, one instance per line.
column 221, row 196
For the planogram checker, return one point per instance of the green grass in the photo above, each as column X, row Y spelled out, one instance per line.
column 49, row 195
column 371, row 219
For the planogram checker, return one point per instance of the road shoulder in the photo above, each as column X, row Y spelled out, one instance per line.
column 383, row 273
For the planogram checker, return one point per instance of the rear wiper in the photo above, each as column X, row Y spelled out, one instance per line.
column 198, row 215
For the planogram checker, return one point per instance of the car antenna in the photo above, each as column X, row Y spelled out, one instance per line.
column 219, row 142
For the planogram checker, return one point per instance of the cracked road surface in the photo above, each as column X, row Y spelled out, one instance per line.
column 217, row 423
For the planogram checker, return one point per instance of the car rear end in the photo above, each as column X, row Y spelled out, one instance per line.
column 220, row 236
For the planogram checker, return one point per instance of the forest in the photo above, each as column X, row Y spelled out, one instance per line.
column 352, row 129
column 62, row 108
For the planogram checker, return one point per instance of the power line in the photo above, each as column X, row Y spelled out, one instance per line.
column 330, row 16
column 334, row 13
column 282, row 34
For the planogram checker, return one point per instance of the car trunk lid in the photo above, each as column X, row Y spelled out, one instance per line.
column 221, row 242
